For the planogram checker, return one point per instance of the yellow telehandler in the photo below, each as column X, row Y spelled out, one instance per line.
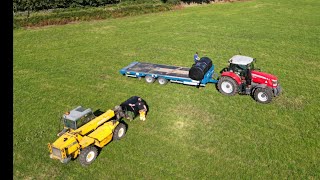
column 84, row 133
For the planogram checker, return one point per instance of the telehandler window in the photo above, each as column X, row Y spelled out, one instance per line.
column 79, row 122
column 69, row 123
column 85, row 119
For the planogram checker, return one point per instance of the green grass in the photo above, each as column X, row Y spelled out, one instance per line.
column 190, row 133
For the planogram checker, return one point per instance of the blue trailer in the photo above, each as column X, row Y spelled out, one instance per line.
column 166, row 73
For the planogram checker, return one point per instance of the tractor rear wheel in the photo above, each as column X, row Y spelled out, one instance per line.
column 263, row 95
column 227, row 86
column 88, row 155
column 149, row 79
column 119, row 131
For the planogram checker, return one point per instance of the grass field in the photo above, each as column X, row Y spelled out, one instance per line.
column 190, row 133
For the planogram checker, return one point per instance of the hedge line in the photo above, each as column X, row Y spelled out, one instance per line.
column 37, row 5
column 118, row 8
column 64, row 16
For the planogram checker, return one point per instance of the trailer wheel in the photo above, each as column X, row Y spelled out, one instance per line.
column 119, row 131
column 162, row 81
column 149, row 79
column 263, row 95
column 227, row 86
column 88, row 155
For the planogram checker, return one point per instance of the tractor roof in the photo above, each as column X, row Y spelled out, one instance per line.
column 76, row 113
column 239, row 59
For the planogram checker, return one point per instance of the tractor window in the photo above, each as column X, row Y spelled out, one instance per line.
column 242, row 67
column 237, row 68
column 252, row 66
column 232, row 67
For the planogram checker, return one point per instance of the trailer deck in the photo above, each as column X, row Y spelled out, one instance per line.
column 165, row 70
column 175, row 74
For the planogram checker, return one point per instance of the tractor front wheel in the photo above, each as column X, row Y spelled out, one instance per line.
column 263, row 95
column 119, row 131
column 227, row 86
column 88, row 155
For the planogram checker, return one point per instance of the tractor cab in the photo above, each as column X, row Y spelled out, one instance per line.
column 77, row 117
column 239, row 64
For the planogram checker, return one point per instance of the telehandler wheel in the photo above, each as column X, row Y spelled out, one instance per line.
column 149, row 79
column 227, row 86
column 65, row 161
column 119, row 131
column 162, row 81
column 88, row 155
column 263, row 95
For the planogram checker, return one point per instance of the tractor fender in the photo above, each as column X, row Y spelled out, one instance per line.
column 233, row 76
column 275, row 91
column 259, row 86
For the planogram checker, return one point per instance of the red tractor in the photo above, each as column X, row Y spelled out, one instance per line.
column 242, row 77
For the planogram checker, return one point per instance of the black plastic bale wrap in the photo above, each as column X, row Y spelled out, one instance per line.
column 132, row 100
column 198, row 70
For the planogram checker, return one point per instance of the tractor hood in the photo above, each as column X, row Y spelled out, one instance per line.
column 263, row 75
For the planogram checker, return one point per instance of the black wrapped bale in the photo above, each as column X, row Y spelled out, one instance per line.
column 199, row 69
